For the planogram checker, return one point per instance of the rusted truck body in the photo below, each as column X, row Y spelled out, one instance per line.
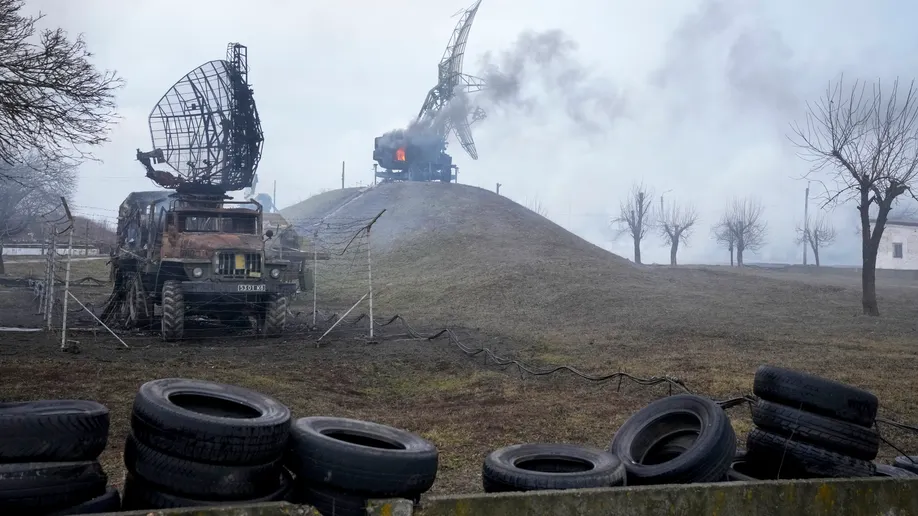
column 197, row 255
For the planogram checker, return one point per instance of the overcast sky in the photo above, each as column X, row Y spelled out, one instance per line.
column 704, row 93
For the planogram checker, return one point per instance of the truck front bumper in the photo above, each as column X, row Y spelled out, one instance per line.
column 238, row 287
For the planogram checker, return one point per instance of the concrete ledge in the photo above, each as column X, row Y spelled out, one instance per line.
column 844, row 497
column 820, row 497
column 255, row 509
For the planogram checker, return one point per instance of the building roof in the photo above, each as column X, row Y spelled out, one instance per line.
column 899, row 222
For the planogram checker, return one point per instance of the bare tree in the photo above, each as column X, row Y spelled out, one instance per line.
column 725, row 237
column 25, row 201
column 635, row 217
column 742, row 224
column 675, row 224
column 53, row 102
column 817, row 233
column 867, row 145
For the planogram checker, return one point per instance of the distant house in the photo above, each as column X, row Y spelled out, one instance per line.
column 899, row 245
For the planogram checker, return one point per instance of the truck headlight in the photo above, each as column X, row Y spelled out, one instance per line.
column 275, row 273
column 197, row 272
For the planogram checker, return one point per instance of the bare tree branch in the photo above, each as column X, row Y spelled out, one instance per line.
column 742, row 227
column 817, row 233
column 635, row 217
column 866, row 144
column 535, row 205
column 675, row 224
column 53, row 102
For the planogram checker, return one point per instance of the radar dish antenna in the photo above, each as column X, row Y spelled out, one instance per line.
column 452, row 83
column 206, row 129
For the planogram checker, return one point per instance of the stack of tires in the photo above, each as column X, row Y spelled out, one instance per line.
column 342, row 463
column 49, row 458
column 196, row 443
column 810, row 427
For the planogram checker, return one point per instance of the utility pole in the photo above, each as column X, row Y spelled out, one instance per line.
column 806, row 221
column 86, row 242
column 498, row 188
column 274, row 197
column 342, row 175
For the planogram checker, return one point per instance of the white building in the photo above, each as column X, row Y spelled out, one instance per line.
column 899, row 245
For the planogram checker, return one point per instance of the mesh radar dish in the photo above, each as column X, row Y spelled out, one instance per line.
column 206, row 129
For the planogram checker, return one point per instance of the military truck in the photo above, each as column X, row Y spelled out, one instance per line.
column 197, row 255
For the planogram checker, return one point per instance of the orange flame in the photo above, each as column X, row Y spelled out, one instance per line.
column 400, row 154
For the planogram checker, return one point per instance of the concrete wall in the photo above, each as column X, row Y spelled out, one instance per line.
column 905, row 235
column 843, row 497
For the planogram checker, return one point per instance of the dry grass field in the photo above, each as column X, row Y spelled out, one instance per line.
column 509, row 280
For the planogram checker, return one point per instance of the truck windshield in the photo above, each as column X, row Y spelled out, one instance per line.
column 213, row 223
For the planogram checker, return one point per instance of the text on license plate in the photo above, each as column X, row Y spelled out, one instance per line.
column 252, row 288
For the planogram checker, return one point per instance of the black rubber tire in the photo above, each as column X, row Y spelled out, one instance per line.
column 909, row 463
column 173, row 318
column 218, row 437
column 108, row 502
column 52, row 431
column 554, row 466
column 885, row 470
column 42, row 487
column 815, row 394
column 199, row 480
column 275, row 316
column 140, row 308
column 657, row 424
column 389, row 462
column 330, row 501
column 807, row 458
column 741, row 470
column 835, row 435
column 139, row 495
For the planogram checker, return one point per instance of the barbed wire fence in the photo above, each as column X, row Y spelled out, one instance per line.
column 329, row 261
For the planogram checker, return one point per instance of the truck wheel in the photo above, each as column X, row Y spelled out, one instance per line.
column 173, row 320
column 275, row 317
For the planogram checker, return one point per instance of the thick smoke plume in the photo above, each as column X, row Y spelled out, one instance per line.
column 539, row 71
column 547, row 61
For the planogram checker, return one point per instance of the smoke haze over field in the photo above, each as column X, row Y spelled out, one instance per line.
column 693, row 98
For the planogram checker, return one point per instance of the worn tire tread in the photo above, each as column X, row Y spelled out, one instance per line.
column 832, row 434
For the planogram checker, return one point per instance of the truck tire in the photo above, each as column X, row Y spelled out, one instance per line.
column 275, row 316
column 52, row 431
column 815, row 394
column 173, row 320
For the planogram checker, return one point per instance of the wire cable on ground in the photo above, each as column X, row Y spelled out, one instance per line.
column 504, row 363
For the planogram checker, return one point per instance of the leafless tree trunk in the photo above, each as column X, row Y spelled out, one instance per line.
column 867, row 147
column 635, row 217
column 818, row 234
column 675, row 224
column 742, row 227
column 53, row 101
column 725, row 237
column 37, row 193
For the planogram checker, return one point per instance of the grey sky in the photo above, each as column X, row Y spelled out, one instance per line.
column 709, row 90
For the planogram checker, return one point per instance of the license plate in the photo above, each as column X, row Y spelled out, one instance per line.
column 251, row 288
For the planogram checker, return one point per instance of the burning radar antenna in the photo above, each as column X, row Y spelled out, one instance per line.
column 419, row 152
column 206, row 129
